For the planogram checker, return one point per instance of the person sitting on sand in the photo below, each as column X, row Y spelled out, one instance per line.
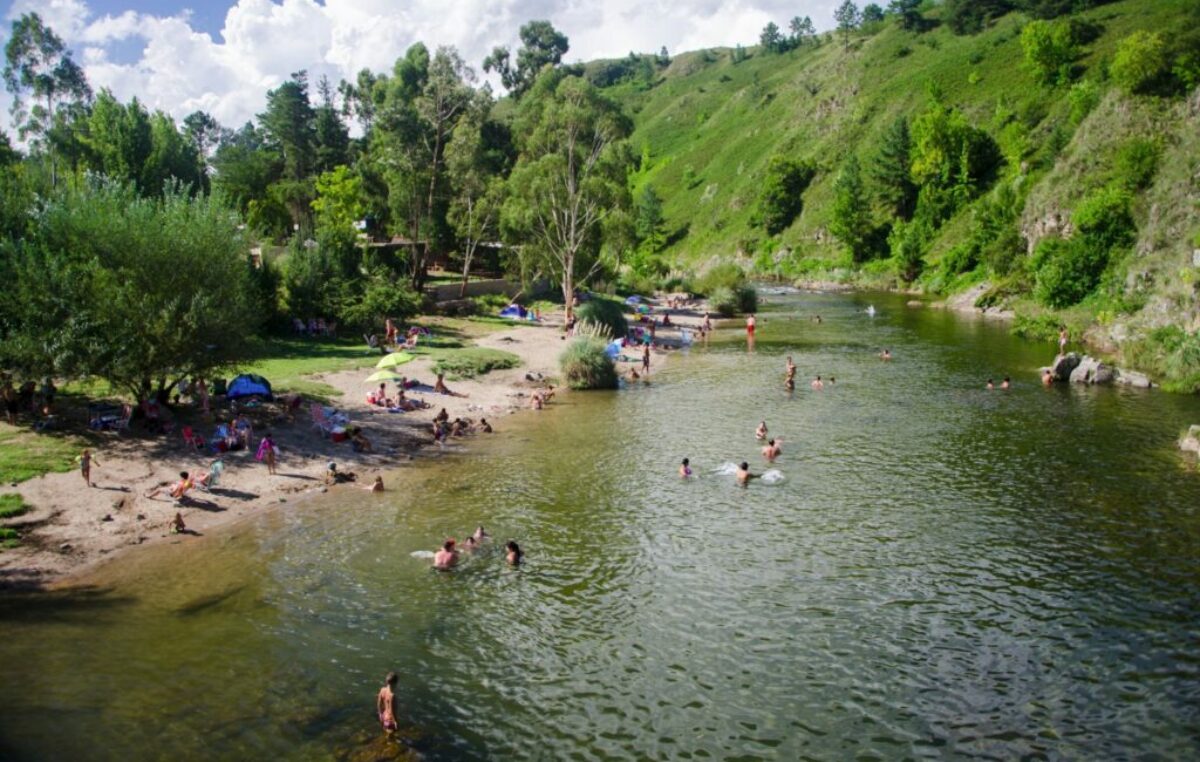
column 207, row 480
column 177, row 526
column 773, row 449
column 447, row 557
column 333, row 476
column 440, row 387
column 743, row 474
column 513, row 553
column 761, row 431
column 375, row 486
column 179, row 491
column 818, row 384
column 484, row 426
column 359, row 441
column 633, row 374
column 685, row 469
column 385, row 703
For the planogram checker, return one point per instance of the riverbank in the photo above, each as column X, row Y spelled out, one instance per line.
column 70, row 528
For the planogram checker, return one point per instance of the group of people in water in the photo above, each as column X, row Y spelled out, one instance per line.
column 449, row 554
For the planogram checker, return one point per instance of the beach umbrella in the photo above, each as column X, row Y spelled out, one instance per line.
column 394, row 359
column 383, row 375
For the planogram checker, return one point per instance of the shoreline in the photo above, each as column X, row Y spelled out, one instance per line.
column 72, row 530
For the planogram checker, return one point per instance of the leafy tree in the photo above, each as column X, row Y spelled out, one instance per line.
column 848, row 19
column 951, row 160
column 851, row 222
column 664, row 58
column 802, row 30
column 288, row 123
column 130, row 145
column 38, row 66
column 782, row 197
column 872, row 13
column 331, row 137
column 892, row 170
column 476, row 174
column 339, row 201
column 907, row 241
column 136, row 291
column 360, row 98
column 8, row 156
column 245, row 167
column 205, row 132
column 971, row 16
column 771, row 38
column 541, row 45
column 1140, row 62
column 648, row 225
column 1049, row 50
column 570, row 177
column 907, row 13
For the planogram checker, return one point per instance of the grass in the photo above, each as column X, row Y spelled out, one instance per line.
column 287, row 362
column 472, row 361
column 9, row 538
column 12, row 506
column 25, row 454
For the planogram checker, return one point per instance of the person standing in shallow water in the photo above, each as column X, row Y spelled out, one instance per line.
column 646, row 359
column 385, row 703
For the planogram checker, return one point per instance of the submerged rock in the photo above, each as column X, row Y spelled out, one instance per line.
column 1191, row 440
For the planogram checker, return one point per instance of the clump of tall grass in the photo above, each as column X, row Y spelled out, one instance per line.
column 603, row 312
column 585, row 365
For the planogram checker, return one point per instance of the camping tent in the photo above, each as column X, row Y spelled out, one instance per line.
column 249, row 385
column 613, row 349
column 514, row 311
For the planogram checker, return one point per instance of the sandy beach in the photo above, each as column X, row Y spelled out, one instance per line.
column 73, row 527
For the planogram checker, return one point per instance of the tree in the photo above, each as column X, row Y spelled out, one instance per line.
column 872, row 13
column 892, row 170
column 568, row 181
column 339, row 201
column 541, row 45
column 1140, row 62
column 802, row 30
column 137, row 291
column 476, row 174
column 1049, row 50
column 38, row 66
column 782, row 196
column 971, row 16
column 848, row 19
column 851, row 222
column 648, row 223
column 664, row 58
column 288, row 122
column 205, row 132
column 907, row 13
column 951, row 160
column 331, row 137
column 771, row 38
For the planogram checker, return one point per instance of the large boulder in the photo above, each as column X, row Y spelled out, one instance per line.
column 1191, row 440
column 1134, row 379
column 1092, row 371
column 1063, row 365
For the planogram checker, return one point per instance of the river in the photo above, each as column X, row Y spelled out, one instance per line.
column 943, row 571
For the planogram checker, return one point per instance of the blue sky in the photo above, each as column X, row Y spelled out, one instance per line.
column 222, row 57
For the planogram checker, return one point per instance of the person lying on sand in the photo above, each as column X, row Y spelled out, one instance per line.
column 441, row 388
column 179, row 491
column 333, row 476
column 447, row 557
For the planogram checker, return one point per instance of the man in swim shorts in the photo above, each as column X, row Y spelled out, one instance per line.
column 385, row 703
column 772, row 450
column 447, row 557
column 743, row 474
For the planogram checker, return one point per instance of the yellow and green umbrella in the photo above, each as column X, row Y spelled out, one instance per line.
column 394, row 359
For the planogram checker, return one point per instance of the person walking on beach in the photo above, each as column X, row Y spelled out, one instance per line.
column 385, row 703
column 646, row 359
column 266, row 452
column 85, row 466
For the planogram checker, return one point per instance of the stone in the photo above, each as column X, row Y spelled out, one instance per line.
column 1191, row 440
column 107, row 517
column 1082, row 373
column 1134, row 379
column 1063, row 365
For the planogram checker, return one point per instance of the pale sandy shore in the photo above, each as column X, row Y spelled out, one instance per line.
column 72, row 528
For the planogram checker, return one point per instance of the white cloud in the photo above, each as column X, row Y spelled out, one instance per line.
column 264, row 41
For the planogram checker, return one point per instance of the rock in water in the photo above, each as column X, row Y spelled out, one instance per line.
column 1191, row 440
column 1092, row 371
column 1063, row 365
column 1134, row 379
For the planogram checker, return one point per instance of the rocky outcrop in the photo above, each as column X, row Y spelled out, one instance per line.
column 1092, row 371
column 1134, row 379
column 1063, row 366
column 1191, row 440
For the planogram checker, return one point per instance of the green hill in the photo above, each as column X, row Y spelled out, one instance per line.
column 708, row 125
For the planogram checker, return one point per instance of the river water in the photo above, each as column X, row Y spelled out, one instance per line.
column 944, row 571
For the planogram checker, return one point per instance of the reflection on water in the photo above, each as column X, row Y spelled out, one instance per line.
column 941, row 570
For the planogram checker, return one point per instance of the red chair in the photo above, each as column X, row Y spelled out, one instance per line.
column 192, row 439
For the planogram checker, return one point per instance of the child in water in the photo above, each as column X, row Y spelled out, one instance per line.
column 685, row 470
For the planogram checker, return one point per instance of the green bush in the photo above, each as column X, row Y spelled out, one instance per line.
column 474, row 361
column 781, row 197
column 1140, row 63
column 1104, row 218
column 1036, row 327
column 584, row 364
column 1136, row 164
column 1049, row 50
column 1066, row 271
column 723, row 301
column 604, row 313
column 1083, row 97
column 725, row 275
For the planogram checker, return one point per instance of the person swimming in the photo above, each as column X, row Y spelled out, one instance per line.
column 513, row 553
column 447, row 557
column 772, row 450
column 817, row 384
column 480, row 534
column 761, row 431
column 1005, row 383
column 886, row 354
column 990, row 385
column 743, row 474
column 471, row 545
column 685, row 469
column 375, row 486
column 1047, row 377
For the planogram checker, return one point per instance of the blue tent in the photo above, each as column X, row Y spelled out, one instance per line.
column 249, row 385
column 633, row 299
column 613, row 349
column 513, row 311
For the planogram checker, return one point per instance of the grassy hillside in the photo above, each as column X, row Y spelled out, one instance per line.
column 708, row 126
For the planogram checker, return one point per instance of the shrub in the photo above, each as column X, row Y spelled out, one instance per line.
column 12, row 506
column 475, row 361
column 1066, row 271
column 781, row 197
column 1049, row 50
column 1136, row 163
column 1170, row 353
column 723, row 301
column 1037, row 327
column 1104, row 219
column 1083, row 97
column 725, row 275
column 605, row 313
column 584, row 364
column 1140, row 63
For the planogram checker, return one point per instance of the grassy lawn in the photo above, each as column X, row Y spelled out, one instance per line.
column 12, row 506
column 285, row 362
column 24, row 454
column 471, row 361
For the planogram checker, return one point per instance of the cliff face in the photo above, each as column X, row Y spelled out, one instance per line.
column 708, row 125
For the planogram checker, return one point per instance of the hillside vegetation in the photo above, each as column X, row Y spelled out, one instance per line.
column 1065, row 188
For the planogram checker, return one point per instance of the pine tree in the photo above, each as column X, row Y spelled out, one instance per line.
column 892, row 170
column 848, row 18
column 851, row 222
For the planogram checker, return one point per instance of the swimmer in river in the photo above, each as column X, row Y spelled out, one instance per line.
column 513, row 553
column 447, row 557
column 1047, row 378
column 886, row 354
column 761, row 431
column 385, row 703
column 990, row 385
column 790, row 384
column 1005, row 383
column 790, row 368
column 471, row 545
column 773, row 449
column 375, row 486
column 480, row 535
column 685, row 469
column 817, row 384
column 743, row 474
column 832, row 380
